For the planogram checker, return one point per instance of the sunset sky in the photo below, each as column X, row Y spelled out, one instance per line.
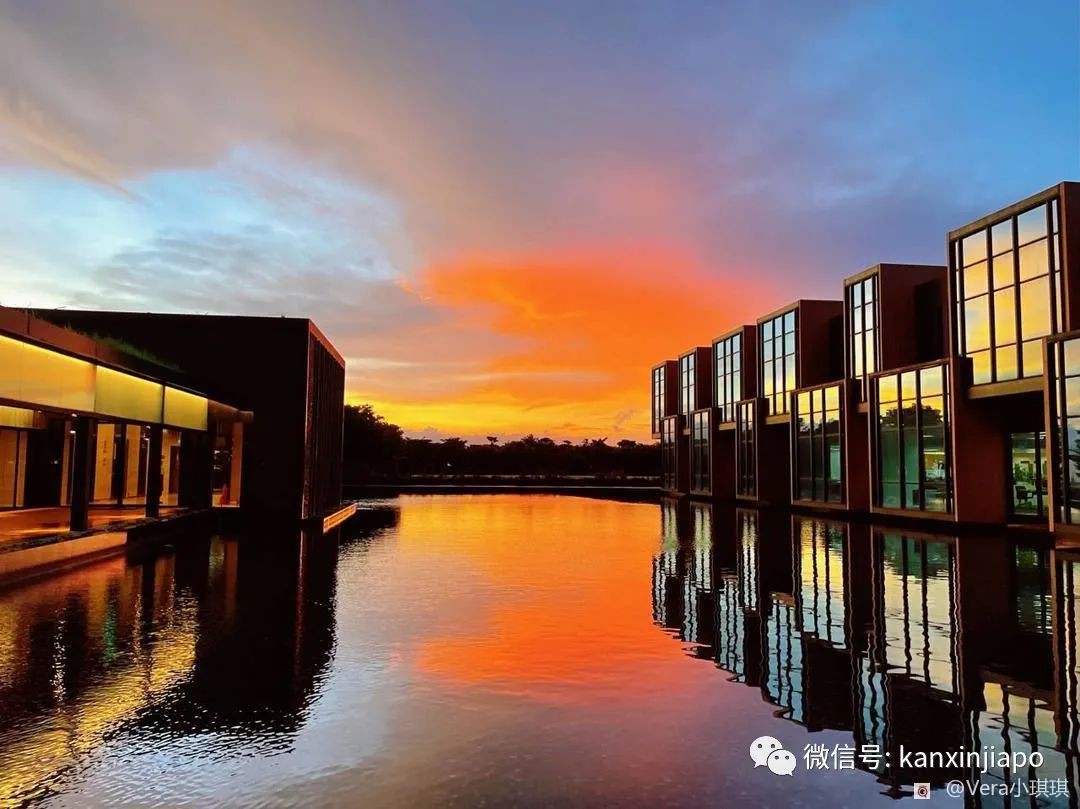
column 502, row 213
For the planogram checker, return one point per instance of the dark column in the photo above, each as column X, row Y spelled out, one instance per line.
column 82, row 475
column 153, row 472
column 196, row 462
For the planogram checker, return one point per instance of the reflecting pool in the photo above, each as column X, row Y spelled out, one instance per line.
column 543, row 651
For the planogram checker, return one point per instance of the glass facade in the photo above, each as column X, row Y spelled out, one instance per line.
column 863, row 318
column 1007, row 285
column 778, row 376
column 818, row 455
column 745, row 455
column 13, row 445
column 667, row 452
column 1027, row 473
column 911, row 435
column 728, row 354
column 659, row 379
column 700, row 469
column 687, row 383
column 1065, row 407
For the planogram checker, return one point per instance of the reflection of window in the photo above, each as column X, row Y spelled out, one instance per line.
column 658, row 379
column 667, row 452
column 745, row 461
column 863, row 318
column 778, row 377
column 699, row 451
column 687, row 392
column 728, row 353
column 818, row 461
column 1007, row 279
column 913, row 463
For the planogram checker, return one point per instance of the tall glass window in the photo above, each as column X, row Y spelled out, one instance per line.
column 1065, row 356
column 12, row 468
column 778, row 377
column 699, row 451
column 818, row 460
column 1007, row 279
column 912, row 432
column 667, row 453
column 687, row 383
column 745, row 460
column 1027, row 473
column 862, row 303
column 728, row 354
column 658, row 383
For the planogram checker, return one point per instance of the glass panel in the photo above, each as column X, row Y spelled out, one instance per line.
column 977, row 324
column 1006, row 363
column 974, row 247
column 931, row 381
column 1003, row 270
column 1001, row 237
column 1032, row 224
column 789, row 322
column 1005, row 316
column 1035, row 308
column 1034, row 260
column 1033, row 358
column 975, row 282
column 980, row 368
column 887, row 387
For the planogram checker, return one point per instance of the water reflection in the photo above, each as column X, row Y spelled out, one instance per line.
column 159, row 646
column 936, row 643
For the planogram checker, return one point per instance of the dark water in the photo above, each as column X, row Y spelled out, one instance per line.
column 540, row 651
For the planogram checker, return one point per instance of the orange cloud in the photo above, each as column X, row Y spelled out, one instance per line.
column 583, row 327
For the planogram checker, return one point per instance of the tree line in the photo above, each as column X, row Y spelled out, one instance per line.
column 378, row 451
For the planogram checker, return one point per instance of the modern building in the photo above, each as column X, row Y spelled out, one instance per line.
column 936, row 392
column 108, row 417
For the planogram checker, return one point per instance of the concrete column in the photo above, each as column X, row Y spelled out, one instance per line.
column 153, row 472
column 82, row 473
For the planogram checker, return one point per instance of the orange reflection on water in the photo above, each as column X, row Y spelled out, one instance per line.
column 548, row 622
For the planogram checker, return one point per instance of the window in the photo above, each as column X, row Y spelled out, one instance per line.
column 12, row 468
column 745, row 460
column 1027, row 473
column 659, row 378
column 728, row 353
column 687, row 392
column 667, row 453
column 911, row 434
column 1065, row 404
column 862, row 304
column 699, row 451
column 1007, row 282
column 818, row 460
column 778, row 376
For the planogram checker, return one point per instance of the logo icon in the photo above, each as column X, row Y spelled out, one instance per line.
column 921, row 792
column 765, row 751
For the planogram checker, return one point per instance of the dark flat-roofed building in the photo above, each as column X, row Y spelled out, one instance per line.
column 283, row 370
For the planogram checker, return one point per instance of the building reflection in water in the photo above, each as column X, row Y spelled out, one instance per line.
column 172, row 642
column 930, row 642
